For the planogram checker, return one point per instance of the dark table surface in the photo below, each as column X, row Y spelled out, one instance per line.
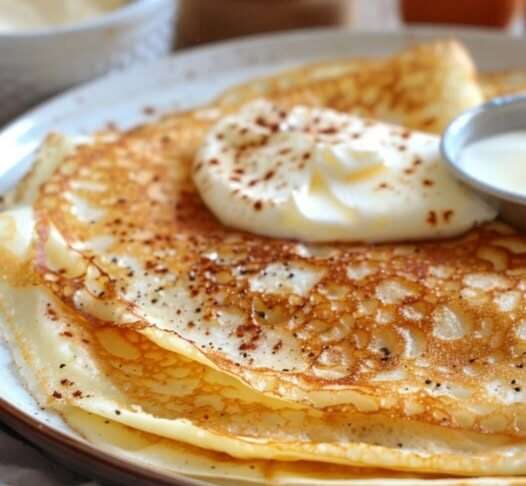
column 21, row 464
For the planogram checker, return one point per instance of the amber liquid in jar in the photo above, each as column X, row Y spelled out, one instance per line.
column 212, row 20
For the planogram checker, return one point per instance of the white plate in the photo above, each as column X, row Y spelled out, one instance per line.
column 180, row 82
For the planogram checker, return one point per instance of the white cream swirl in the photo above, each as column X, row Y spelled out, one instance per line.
column 320, row 175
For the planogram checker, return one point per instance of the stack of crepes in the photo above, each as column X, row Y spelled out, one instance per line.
column 168, row 339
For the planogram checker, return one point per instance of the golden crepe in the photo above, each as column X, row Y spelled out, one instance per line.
column 422, row 88
column 503, row 83
column 153, row 390
column 492, row 84
column 167, row 455
column 122, row 297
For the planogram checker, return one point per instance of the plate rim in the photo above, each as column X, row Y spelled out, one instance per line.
column 24, row 122
column 251, row 41
column 27, row 425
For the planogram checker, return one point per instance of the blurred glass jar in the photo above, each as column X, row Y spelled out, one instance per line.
column 485, row 13
column 212, row 20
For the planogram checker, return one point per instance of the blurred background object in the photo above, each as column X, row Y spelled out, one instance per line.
column 203, row 21
column 212, row 20
column 18, row 15
column 35, row 64
column 485, row 13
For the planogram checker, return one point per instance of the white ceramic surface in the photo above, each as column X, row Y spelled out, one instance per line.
column 183, row 81
column 36, row 64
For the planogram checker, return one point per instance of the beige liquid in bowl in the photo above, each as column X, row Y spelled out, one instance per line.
column 26, row 15
column 499, row 161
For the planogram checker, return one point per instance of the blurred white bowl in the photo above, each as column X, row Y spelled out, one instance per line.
column 36, row 64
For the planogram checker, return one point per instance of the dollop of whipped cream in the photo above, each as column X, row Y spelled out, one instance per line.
column 321, row 175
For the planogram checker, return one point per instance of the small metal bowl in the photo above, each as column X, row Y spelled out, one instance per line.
column 500, row 115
